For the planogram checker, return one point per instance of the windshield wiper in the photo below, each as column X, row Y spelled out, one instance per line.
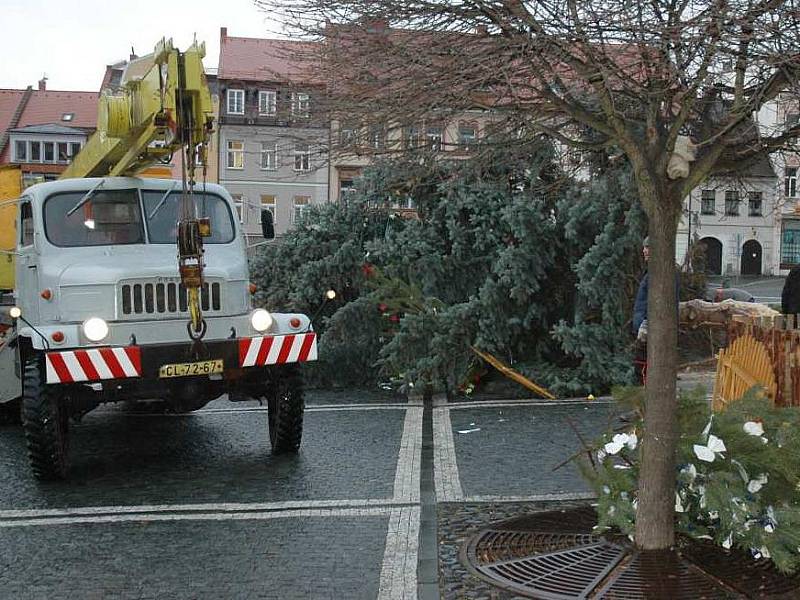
column 162, row 201
column 86, row 197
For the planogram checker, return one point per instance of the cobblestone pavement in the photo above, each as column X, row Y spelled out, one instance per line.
column 375, row 505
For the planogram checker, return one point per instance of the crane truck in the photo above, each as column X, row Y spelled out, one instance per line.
column 133, row 289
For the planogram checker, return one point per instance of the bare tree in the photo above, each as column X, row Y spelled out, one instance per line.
column 674, row 85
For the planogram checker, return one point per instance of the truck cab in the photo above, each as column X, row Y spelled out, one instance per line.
column 102, row 315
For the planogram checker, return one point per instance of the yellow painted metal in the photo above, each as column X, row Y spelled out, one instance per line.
column 10, row 189
column 139, row 128
column 744, row 364
column 513, row 375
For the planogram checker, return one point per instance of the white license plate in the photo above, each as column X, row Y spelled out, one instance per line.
column 203, row 367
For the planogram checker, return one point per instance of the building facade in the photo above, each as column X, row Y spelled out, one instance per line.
column 273, row 143
column 735, row 220
column 41, row 130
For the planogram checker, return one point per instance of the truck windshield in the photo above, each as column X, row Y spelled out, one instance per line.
column 162, row 217
column 109, row 217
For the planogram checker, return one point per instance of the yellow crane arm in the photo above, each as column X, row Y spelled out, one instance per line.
column 165, row 105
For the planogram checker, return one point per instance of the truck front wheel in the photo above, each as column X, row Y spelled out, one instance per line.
column 285, row 406
column 46, row 425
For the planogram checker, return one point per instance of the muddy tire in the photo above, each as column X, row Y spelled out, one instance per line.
column 285, row 405
column 46, row 425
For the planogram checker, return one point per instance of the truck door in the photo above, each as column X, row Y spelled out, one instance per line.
column 27, row 264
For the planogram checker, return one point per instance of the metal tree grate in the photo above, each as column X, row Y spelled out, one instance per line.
column 529, row 556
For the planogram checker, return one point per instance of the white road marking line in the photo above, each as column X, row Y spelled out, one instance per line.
column 500, row 403
column 409, row 458
column 558, row 496
column 399, row 569
column 151, row 509
column 202, row 516
column 445, row 468
column 256, row 409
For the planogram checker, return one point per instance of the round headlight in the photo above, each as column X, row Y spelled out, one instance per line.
column 95, row 329
column 261, row 319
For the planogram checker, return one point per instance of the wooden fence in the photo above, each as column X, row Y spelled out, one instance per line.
column 761, row 351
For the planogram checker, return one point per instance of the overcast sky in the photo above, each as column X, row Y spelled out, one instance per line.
column 72, row 41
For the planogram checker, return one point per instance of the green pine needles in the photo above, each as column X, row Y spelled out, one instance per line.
column 738, row 475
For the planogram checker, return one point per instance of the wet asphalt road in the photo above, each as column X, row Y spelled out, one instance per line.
column 196, row 506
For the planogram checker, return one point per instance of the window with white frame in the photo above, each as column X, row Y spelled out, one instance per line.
column 790, row 182
column 267, row 102
column 708, row 202
column 731, row 203
column 20, row 151
column 269, row 156
column 300, row 104
column 36, row 152
column 467, row 136
column 235, row 102
column 347, row 135
column 74, row 148
column 412, row 137
column 62, row 152
column 235, row 154
column 300, row 205
column 755, row 201
column 240, row 202
column 302, row 157
column 433, row 138
column 377, row 137
column 268, row 203
column 49, row 152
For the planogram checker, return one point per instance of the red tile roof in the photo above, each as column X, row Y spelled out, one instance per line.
column 9, row 99
column 49, row 106
column 256, row 59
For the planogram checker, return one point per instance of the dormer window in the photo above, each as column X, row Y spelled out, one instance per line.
column 67, row 116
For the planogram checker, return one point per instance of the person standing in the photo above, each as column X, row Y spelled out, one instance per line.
column 639, row 323
column 790, row 296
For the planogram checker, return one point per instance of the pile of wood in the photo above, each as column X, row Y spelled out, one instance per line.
column 699, row 313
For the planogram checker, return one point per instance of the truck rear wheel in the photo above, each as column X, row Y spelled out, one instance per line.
column 285, row 406
column 46, row 425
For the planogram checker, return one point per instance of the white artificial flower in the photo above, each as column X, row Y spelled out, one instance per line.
column 709, row 452
column 771, row 515
column 701, row 489
column 708, row 426
column 622, row 467
column 769, row 528
column 616, row 444
column 611, row 511
column 678, row 504
column 756, row 484
column 764, row 552
column 606, row 489
column 713, row 515
column 635, row 504
column 601, row 455
column 633, row 440
column 690, row 470
column 728, row 542
column 753, row 428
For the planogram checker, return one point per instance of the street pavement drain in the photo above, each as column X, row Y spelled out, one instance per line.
column 555, row 556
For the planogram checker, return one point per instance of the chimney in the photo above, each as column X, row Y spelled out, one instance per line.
column 223, row 33
column 132, row 55
column 43, row 84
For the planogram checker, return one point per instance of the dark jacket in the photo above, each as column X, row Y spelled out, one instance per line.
column 790, row 297
column 640, row 305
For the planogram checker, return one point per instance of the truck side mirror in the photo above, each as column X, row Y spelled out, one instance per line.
column 267, row 225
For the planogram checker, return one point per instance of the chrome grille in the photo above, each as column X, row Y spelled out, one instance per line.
column 150, row 298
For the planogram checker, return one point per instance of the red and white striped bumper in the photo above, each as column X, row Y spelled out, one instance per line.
column 93, row 365
column 277, row 349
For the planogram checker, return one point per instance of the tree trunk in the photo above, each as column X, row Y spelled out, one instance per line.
column 655, row 528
